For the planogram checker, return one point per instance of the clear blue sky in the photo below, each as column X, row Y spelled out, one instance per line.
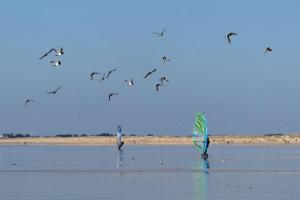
column 242, row 90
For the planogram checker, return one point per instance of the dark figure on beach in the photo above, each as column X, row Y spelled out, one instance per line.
column 119, row 138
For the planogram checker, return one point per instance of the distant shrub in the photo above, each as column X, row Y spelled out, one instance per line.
column 19, row 135
column 104, row 135
column 150, row 135
column 12, row 135
column 274, row 134
column 64, row 135
column 8, row 135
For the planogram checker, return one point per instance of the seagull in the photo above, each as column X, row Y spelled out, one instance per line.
column 111, row 94
column 55, row 63
column 229, row 35
column 54, row 91
column 28, row 101
column 161, row 162
column 110, row 72
column 161, row 33
column 103, row 77
column 149, row 73
column 46, row 54
column 165, row 59
column 158, row 85
column 162, row 79
column 268, row 50
column 58, row 52
column 129, row 82
column 93, row 74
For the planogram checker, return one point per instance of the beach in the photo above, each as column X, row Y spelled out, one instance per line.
column 154, row 140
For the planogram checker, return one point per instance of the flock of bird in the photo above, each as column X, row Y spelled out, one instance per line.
column 162, row 81
column 229, row 35
column 54, row 63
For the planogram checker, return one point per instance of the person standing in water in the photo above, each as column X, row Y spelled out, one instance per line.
column 205, row 155
column 119, row 138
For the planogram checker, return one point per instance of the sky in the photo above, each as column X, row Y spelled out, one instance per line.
column 241, row 89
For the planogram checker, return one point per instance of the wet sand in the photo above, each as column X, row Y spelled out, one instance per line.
column 155, row 140
column 76, row 172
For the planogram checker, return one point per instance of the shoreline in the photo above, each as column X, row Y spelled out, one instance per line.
column 153, row 140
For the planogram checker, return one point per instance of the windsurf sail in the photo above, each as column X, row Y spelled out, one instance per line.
column 200, row 132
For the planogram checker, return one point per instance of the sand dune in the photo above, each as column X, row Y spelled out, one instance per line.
column 184, row 140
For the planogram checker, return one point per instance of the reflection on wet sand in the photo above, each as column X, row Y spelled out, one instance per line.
column 201, row 178
column 120, row 158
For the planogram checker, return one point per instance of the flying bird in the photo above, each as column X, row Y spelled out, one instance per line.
column 161, row 33
column 111, row 94
column 54, row 91
column 58, row 52
column 28, row 101
column 165, row 59
column 110, row 72
column 46, row 54
column 268, row 50
column 93, row 74
column 163, row 79
column 229, row 35
column 149, row 73
column 103, row 77
column 55, row 63
column 129, row 82
column 158, row 85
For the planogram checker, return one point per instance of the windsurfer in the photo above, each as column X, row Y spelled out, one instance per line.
column 200, row 136
column 119, row 137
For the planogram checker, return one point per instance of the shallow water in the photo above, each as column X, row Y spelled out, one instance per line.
column 103, row 172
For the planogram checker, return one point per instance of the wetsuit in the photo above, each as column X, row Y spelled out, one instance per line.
column 207, row 145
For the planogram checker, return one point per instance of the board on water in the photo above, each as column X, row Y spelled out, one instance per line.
column 200, row 136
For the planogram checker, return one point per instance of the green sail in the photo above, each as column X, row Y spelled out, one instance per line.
column 200, row 132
